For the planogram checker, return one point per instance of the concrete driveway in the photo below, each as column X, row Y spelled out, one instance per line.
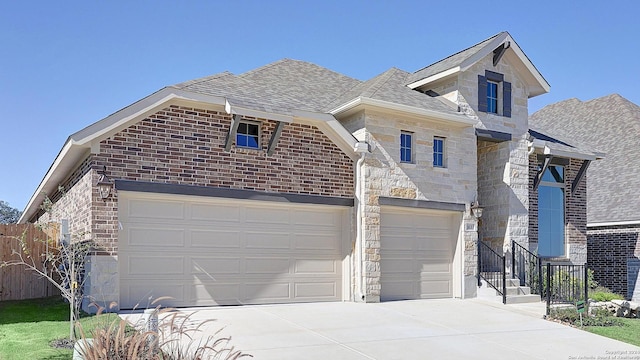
column 419, row 329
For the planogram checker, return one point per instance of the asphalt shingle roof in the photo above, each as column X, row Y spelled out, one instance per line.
column 288, row 84
column 390, row 87
column 279, row 87
column 450, row 61
column 611, row 124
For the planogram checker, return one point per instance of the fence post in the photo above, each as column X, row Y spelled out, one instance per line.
column 479, row 262
column 586, row 287
column 513, row 260
column 548, row 287
column 540, row 278
column 504, row 279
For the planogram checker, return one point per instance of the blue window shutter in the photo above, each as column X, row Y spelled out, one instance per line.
column 506, row 99
column 482, row 93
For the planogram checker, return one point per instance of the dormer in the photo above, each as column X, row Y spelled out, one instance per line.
column 491, row 81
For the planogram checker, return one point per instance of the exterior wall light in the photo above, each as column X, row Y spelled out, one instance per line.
column 476, row 210
column 104, row 184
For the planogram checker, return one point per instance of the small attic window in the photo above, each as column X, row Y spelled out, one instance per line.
column 493, row 91
column 248, row 135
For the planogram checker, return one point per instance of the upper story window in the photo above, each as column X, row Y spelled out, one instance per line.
column 551, row 212
column 494, row 94
column 248, row 135
column 438, row 152
column 492, row 97
column 406, row 146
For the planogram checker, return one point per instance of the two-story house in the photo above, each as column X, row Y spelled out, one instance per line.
column 293, row 183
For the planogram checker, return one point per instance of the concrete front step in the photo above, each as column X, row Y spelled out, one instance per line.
column 516, row 294
column 517, row 290
column 521, row 299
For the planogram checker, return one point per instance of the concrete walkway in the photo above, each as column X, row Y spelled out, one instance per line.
column 419, row 329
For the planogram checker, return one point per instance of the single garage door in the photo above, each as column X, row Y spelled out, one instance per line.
column 417, row 253
column 212, row 251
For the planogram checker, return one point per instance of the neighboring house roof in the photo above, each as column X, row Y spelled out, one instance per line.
column 548, row 145
column 464, row 59
column 612, row 124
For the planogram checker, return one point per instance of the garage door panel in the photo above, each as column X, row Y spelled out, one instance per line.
column 316, row 241
column 315, row 218
column 399, row 265
column 315, row 290
column 213, row 266
column 267, row 265
column 257, row 215
column 221, row 214
column 436, row 266
column 232, row 251
column 144, row 293
column 148, row 265
column 215, row 238
column 400, row 290
column 267, row 240
column 208, row 293
column 154, row 209
column 154, row 236
column 437, row 288
column 261, row 292
column 315, row 266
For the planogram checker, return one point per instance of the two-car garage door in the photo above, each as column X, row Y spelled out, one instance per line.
column 211, row 251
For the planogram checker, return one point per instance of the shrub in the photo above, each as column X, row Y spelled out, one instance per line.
column 601, row 293
column 177, row 338
column 599, row 317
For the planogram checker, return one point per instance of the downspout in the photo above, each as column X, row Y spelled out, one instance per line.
column 361, row 148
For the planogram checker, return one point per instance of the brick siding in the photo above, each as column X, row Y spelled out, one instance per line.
column 181, row 145
column 575, row 210
column 72, row 201
column 609, row 247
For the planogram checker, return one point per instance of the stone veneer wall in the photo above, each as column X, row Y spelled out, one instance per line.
column 386, row 176
column 609, row 250
column 502, row 168
column 575, row 212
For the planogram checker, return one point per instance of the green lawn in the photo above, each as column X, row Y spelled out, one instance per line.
column 629, row 333
column 28, row 326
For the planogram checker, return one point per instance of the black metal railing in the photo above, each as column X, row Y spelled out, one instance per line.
column 526, row 267
column 565, row 284
column 492, row 268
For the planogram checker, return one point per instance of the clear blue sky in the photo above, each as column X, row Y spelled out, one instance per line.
column 66, row 64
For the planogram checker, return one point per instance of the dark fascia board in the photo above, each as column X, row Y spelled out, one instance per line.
column 493, row 136
column 179, row 189
column 421, row 204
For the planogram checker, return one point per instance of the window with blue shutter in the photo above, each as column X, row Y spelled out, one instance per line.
column 493, row 90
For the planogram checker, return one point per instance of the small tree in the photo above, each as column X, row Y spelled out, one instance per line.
column 62, row 264
column 8, row 214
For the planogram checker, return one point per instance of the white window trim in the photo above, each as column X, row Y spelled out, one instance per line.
column 498, row 97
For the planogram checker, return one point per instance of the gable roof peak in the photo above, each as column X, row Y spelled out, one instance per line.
column 463, row 60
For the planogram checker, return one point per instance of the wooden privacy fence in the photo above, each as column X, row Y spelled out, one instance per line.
column 16, row 281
